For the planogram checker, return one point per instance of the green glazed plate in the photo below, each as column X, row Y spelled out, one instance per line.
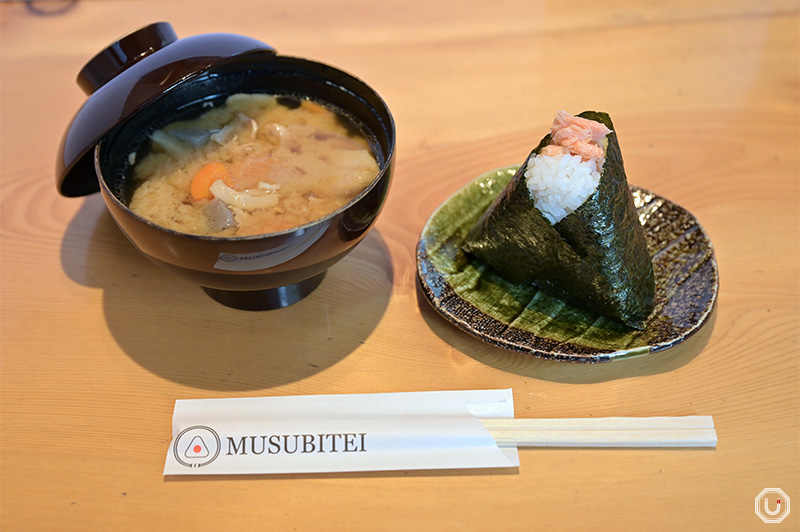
column 473, row 297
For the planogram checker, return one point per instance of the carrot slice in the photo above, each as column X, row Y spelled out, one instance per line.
column 205, row 177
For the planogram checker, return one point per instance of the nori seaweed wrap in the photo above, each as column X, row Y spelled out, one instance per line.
column 595, row 257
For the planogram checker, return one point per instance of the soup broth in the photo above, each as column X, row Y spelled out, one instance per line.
column 258, row 164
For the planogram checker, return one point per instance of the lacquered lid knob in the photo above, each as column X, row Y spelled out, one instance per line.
column 123, row 53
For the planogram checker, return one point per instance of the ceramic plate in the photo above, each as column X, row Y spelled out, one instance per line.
column 474, row 298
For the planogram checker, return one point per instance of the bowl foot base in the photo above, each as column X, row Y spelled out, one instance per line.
column 269, row 299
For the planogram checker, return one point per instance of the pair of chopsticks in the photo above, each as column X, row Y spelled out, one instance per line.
column 681, row 431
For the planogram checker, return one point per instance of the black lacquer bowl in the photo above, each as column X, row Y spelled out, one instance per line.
column 132, row 95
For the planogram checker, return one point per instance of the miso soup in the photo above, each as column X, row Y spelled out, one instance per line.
column 258, row 164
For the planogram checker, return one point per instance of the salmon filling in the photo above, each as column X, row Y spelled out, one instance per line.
column 566, row 172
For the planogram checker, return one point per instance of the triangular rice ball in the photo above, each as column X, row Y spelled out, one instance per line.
column 595, row 258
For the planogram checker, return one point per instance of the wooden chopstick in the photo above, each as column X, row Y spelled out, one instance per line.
column 681, row 431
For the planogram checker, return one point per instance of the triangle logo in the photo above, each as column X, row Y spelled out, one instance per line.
column 197, row 448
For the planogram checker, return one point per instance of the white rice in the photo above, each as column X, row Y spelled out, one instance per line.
column 561, row 183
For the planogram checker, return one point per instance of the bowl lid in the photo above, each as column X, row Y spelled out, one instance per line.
column 128, row 75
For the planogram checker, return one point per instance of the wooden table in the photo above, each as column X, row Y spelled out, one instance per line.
column 98, row 343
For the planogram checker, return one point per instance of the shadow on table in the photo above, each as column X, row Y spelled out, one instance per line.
column 565, row 372
column 412, row 473
column 170, row 326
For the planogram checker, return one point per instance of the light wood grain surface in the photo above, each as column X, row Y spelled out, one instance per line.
column 98, row 343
